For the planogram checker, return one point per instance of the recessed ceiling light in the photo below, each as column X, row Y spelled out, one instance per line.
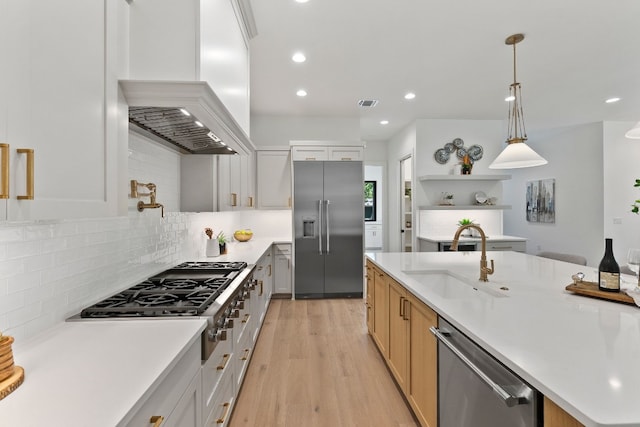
column 184, row 111
column 199, row 124
column 298, row 57
column 384, row 122
column 301, row 92
column 612, row 100
column 301, row 1
column 510, row 98
column 410, row 95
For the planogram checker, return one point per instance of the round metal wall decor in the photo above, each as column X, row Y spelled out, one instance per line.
column 442, row 155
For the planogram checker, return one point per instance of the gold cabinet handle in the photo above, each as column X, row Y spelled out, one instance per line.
column 269, row 270
column 234, row 199
column 225, row 360
column 156, row 420
column 289, row 201
column 246, row 318
column 400, row 310
column 226, row 407
column 30, row 154
column 4, row 188
column 250, row 201
column 288, row 263
column 261, row 287
column 245, row 354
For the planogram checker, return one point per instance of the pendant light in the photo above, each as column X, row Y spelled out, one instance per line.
column 634, row 132
column 516, row 154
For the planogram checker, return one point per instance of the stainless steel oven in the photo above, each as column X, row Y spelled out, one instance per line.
column 476, row 390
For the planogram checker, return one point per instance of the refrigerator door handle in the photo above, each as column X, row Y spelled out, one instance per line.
column 320, row 227
column 328, row 228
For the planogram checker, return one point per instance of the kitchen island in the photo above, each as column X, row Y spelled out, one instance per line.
column 580, row 353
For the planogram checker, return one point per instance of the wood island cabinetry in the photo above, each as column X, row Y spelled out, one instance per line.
column 410, row 350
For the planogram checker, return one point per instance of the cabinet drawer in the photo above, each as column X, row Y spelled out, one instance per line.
column 346, row 153
column 222, row 404
column 219, row 363
column 309, row 153
column 507, row 246
column 283, row 249
column 165, row 398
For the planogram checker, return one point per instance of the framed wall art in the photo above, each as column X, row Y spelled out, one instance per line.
column 541, row 201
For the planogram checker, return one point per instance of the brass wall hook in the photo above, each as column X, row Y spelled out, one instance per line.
column 151, row 194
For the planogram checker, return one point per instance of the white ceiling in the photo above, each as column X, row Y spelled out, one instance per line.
column 452, row 54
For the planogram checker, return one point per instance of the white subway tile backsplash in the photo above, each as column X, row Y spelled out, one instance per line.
column 51, row 270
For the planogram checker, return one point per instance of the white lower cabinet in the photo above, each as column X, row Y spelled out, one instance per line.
column 215, row 370
column 187, row 412
column 177, row 399
column 282, row 269
column 223, row 402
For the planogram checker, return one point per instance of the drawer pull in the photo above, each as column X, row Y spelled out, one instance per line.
column 234, row 199
column 246, row 354
column 29, row 152
column 502, row 247
column 250, row 201
column 225, row 360
column 261, row 287
column 156, row 420
column 4, row 190
column 226, row 407
column 246, row 318
column 346, row 158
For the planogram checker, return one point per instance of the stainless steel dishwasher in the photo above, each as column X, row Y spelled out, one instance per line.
column 476, row 390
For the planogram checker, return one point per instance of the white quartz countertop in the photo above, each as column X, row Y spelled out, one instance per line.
column 93, row 373
column 249, row 252
column 581, row 352
column 491, row 238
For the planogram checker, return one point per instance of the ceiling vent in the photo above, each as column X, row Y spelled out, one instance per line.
column 367, row 103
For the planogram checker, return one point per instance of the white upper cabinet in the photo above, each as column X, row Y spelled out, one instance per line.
column 59, row 98
column 274, row 179
column 195, row 40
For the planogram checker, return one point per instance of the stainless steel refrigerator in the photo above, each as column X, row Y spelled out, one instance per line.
column 328, row 215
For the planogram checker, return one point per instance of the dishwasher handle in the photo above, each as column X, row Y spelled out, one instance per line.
column 509, row 399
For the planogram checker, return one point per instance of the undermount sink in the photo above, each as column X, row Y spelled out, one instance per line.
column 448, row 286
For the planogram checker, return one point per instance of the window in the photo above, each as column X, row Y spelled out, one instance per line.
column 370, row 200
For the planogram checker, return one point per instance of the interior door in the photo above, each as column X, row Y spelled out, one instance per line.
column 406, row 205
column 344, row 223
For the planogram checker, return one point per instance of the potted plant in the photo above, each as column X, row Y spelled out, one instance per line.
column 222, row 242
column 467, row 165
column 466, row 221
column 446, row 199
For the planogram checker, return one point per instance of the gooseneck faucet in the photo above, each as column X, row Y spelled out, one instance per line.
column 484, row 270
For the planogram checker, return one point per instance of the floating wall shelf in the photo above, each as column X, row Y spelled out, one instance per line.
column 463, row 207
column 464, row 177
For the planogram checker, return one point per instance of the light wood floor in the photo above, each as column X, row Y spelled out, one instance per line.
column 315, row 365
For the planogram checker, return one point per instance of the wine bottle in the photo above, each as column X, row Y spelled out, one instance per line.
column 609, row 270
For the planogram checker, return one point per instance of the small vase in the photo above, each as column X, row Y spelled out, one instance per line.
column 213, row 248
column 223, row 249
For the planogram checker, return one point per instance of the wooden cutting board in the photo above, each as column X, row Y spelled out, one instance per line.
column 11, row 383
column 590, row 289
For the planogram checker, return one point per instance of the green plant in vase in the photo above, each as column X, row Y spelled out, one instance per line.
column 222, row 242
column 465, row 221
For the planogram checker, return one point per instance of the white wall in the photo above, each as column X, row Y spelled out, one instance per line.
column 398, row 147
column 279, row 130
column 621, row 157
column 575, row 156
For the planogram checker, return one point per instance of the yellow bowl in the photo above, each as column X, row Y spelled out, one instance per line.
column 244, row 237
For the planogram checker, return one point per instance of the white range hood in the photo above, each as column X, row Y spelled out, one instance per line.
column 157, row 110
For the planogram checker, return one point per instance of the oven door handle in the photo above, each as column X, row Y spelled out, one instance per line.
column 509, row 399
